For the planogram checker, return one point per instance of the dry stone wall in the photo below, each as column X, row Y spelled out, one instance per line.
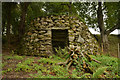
column 37, row 40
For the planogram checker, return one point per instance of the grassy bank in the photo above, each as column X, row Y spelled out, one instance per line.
column 113, row 44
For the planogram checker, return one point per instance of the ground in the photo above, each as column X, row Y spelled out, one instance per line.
column 16, row 66
column 11, row 69
column 9, row 64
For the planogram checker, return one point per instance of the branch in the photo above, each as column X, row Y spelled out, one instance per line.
column 96, row 61
column 63, row 63
column 116, row 26
column 104, row 8
column 112, row 29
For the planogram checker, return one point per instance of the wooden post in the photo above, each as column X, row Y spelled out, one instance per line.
column 118, row 59
column 102, row 47
column 118, row 51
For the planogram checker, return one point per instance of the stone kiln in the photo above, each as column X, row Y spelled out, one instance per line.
column 51, row 32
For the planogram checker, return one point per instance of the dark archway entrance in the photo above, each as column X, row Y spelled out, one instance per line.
column 59, row 38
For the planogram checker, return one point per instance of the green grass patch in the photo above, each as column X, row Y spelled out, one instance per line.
column 51, row 60
column 8, row 70
column 25, row 66
column 17, row 57
column 0, row 54
column 53, row 71
column 108, row 66
column 4, row 64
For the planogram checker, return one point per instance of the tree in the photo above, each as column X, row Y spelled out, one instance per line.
column 34, row 11
column 16, row 17
column 101, row 15
column 106, row 30
column 7, row 17
column 59, row 8
column 24, row 7
column 101, row 26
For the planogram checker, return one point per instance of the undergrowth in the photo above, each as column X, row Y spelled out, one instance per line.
column 48, row 67
column 17, row 57
column 108, row 67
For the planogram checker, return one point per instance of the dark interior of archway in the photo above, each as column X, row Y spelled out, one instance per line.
column 59, row 38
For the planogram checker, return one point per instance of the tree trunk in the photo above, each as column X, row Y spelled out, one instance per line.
column 70, row 8
column 22, row 20
column 3, row 27
column 8, row 25
column 104, row 37
column 105, row 44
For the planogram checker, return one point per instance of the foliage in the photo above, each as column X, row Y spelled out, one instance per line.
column 46, row 61
column 98, row 72
column 3, row 64
column 64, row 7
column 107, row 68
column 86, row 75
column 63, row 53
column 48, row 68
column 7, row 70
column 25, row 66
column 28, row 66
column 59, row 70
column 112, row 13
column 40, row 75
column 87, row 11
column 14, row 57
column 51, row 60
column 108, row 64
column 18, row 57
column 22, row 67
column 14, row 15
column 34, row 11
column 96, row 13
column 76, row 74
column 4, row 71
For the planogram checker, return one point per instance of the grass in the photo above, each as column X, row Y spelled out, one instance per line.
column 17, row 57
column 113, row 41
column 0, row 54
column 39, row 67
column 47, row 68
column 51, row 60
column 108, row 66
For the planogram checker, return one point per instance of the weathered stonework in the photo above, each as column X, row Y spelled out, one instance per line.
column 37, row 40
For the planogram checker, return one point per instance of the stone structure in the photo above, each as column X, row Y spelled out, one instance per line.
column 70, row 31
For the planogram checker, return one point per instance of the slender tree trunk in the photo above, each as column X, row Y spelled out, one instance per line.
column 104, row 37
column 105, row 42
column 8, row 25
column 70, row 8
column 3, row 27
column 24, row 7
